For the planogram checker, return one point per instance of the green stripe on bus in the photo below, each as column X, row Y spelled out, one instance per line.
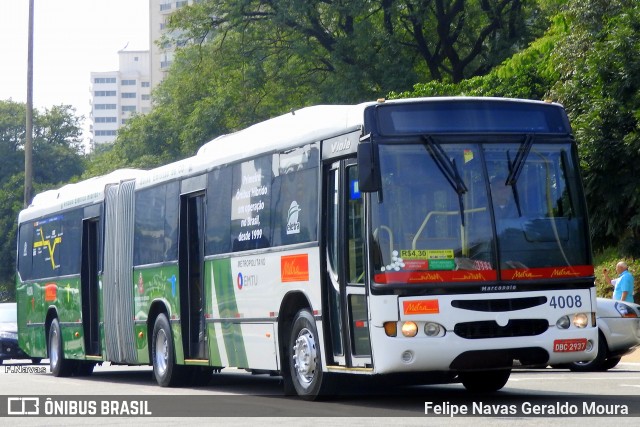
column 228, row 308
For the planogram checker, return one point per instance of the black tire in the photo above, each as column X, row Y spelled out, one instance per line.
column 610, row 363
column 60, row 367
column 303, row 357
column 595, row 364
column 485, row 381
column 36, row 360
column 163, row 356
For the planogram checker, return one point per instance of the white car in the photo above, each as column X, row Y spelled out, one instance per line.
column 619, row 326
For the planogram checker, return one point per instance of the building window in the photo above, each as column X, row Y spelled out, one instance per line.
column 105, row 106
column 145, row 97
column 105, row 120
column 104, row 93
column 145, row 84
column 181, row 3
column 100, row 80
column 106, row 133
column 165, row 6
column 128, row 82
column 128, row 94
column 128, row 108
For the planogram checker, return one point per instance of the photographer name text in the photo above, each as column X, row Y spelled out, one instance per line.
column 524, row 408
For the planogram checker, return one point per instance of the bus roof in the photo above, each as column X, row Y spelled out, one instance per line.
column 294, row 128
column 82, row 193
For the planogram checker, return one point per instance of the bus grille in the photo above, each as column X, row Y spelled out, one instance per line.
column 490, row 329
column 497, row 305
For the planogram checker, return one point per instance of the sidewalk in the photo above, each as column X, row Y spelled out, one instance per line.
column 633, row 357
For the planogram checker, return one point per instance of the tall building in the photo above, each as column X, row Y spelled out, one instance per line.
column 161, row 55
column 117, row 95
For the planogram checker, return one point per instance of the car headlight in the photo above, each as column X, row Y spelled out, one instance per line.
column 9, row 335
column 625, row 310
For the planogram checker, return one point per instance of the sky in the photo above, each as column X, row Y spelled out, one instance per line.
column 72, row 38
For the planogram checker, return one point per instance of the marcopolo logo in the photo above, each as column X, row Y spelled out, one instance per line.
column 293, row 225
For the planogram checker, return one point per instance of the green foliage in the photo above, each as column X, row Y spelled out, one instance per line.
column 599, row 64
column 529, row 74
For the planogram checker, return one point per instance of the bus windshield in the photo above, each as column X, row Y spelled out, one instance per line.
column 461, row 211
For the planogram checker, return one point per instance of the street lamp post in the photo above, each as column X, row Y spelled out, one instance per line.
column 28, row 145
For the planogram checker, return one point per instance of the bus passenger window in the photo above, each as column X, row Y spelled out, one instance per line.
column 355, row 220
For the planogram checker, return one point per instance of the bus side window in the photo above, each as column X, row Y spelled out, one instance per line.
column 294, row 200
column 219, row 204
column 355, row 222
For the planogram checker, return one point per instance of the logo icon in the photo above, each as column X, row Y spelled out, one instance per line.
column 23, row 406
column 293, row 225
column 240, row 281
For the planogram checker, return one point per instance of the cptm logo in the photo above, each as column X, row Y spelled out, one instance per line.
column 244, row 281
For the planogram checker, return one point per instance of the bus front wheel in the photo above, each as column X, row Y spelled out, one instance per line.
column 165, row 369
column 485, row 381
column 305, row 363
column 60, row 367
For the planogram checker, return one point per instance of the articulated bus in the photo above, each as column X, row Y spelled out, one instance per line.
column 439, row 239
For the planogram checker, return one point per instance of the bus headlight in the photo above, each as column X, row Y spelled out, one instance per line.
column 563, row 322
column 432, row 329
column 580, row 320
column 409, row 329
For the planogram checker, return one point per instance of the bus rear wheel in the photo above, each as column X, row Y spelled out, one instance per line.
column 60, row 367
column 165, row 369
column 305, row 363
column 485, row 381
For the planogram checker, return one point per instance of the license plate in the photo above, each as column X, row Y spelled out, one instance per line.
column 563, row 346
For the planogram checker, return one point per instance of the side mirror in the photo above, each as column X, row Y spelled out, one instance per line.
column 368, row 168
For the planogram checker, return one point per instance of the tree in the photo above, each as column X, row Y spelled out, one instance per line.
column 599, row 63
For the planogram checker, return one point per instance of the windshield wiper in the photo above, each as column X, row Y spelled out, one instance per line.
column 448, row 168
column 516, row 167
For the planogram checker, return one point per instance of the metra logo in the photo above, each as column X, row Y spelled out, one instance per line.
column 471, row 276
column 244, row 281
column 524, row 275
column 294, row 268
column 426, row 277
column 563, row 272
column 421, row 307
column 293, row 225
column 340, row 146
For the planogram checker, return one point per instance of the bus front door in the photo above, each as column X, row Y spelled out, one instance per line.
column 344, row 291
column 191, row 261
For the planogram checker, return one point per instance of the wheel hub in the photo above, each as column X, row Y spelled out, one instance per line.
column 305, row 357
column 162, row 357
